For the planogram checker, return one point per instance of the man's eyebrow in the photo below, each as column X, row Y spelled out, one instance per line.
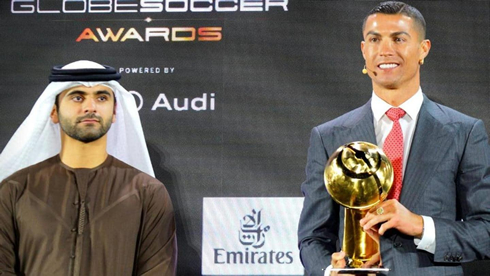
column 80, row 92
column 392, row 34
column 76, row 92
column 373, row 33
column 104, row 92
column 400, row 33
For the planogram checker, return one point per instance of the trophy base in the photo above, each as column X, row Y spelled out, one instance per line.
column 373, row 270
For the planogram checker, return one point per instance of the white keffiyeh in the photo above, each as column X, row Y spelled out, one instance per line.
column 38, row 138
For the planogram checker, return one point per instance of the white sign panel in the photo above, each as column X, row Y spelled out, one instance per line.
column 251, row 236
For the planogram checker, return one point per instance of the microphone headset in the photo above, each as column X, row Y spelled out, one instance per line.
column 365, row 71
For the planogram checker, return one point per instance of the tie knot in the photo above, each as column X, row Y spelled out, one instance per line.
column 395, row 113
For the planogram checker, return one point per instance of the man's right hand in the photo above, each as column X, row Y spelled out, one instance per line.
column 338, row 261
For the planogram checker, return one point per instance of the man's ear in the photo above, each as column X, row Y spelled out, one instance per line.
column 54, row 115
column 362, row 49
column 425, row 48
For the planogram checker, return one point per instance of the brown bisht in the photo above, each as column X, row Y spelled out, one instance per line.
column 108, row 220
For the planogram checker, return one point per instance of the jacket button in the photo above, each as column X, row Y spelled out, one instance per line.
column 397, row 244
column 74, row 229
column 72, row 256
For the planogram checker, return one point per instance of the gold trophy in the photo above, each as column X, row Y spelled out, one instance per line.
column 358, row 176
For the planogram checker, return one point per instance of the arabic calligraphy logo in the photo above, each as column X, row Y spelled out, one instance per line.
column 251, row 230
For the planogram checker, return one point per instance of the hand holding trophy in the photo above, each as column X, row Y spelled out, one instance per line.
column 358, row 176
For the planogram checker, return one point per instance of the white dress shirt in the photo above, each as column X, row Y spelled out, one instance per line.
column 382, row 127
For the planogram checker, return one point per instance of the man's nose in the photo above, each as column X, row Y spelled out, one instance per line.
column 90, row 106
column 386, row 48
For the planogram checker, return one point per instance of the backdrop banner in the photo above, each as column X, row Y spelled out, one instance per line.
column 229, row 90
column 251, row 236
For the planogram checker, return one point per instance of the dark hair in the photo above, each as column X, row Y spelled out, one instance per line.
column 57, row 102
column 394, row 7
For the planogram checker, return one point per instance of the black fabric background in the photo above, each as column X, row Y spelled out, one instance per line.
column 275, row 75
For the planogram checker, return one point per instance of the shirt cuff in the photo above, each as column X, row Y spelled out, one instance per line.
column 328, row 270
column 428, row 240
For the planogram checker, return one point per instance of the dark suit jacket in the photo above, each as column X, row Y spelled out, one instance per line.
column 447, row 177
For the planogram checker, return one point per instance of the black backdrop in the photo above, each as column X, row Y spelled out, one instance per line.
column 273, row 75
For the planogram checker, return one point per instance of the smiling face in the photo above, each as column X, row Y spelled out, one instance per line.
column 85, row 113
column 392, row 48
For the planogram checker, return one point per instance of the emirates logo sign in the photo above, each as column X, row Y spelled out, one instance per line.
column 252, row 231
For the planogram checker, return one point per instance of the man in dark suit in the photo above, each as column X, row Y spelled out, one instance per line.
column 438, row 212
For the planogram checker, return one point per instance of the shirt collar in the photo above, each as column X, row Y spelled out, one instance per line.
column 411, row 106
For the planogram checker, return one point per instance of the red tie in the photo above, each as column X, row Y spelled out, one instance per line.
column 393, row 147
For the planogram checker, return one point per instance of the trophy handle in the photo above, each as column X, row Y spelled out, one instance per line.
column 357, row 244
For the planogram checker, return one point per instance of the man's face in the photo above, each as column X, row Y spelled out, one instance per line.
column 392, row 48
column 85, row 113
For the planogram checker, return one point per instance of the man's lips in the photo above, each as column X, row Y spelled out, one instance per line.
column 386, row 66
column 87, row 121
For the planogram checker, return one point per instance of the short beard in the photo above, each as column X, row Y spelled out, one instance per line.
column 81, row 134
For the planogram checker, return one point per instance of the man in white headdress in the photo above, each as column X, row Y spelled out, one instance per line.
column 78, row 196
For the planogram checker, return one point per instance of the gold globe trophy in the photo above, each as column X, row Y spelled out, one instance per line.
column 358, row 176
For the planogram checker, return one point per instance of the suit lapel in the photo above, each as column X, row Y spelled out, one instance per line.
column 359, row 127
column 430, row 141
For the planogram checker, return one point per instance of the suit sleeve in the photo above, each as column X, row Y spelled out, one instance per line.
column 319, row 222
column 469, row 238
column 7, row 229
column 157, row 254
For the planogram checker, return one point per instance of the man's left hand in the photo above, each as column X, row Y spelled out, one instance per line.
column 392, row 214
